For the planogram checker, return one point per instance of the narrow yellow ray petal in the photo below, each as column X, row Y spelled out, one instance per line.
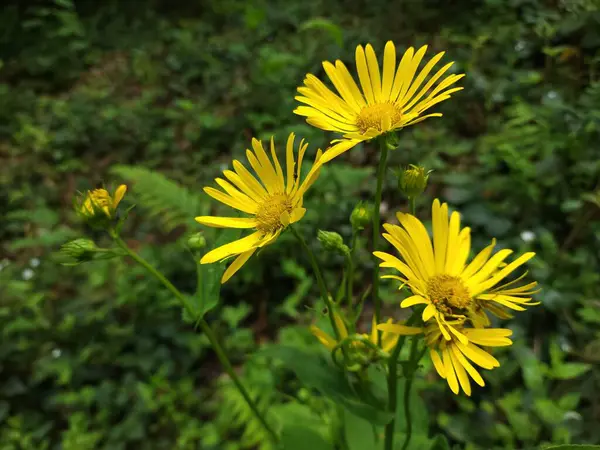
column 233, row 248
column 437, row 363
column 478, row 261
column 408, row 76
column 399, row 329
column 236, row 265
column 345, row 77
column 439, row 215
column 399, row 77
column 290, row 163
column 467, row 365
column 278, row 169
column 374, row 74
column 249, row 208
column 248, row 178
column 463, row 379
column 428, row 86
column 363, row 75
column 227, row 222
column 420, row 78
column 389, row 67
column 414, row 300
column 323, row 337
column 478, row 356
column 449, row 370
column 488, row 284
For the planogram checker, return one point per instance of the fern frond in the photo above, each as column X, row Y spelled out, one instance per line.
column 235, row 412
column 173, row 204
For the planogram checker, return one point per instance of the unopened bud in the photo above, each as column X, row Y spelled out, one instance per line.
column 196, row 241
column 333, row 241
column 78, row 251
column 413, row 180
column 98, row 207
column 392, row 141
column 361, row 216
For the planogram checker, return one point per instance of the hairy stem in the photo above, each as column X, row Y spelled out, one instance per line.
column 206, row 329
column 376, row 225
column 320, row 281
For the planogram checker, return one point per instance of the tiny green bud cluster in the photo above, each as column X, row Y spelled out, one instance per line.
column 361, row 216
column 196, row 241
column 413, row 180
column 82, row 250
column 333, row 241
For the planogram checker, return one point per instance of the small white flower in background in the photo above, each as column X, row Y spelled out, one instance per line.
column 383, row 208
column 27, row 274
column 528, row 236
column 56, row 353
column 34, row 262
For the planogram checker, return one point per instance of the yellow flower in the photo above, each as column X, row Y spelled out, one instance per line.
column 391, row 99
column 454, row 364
column 439, row 276
column 273, row 201
column 99, row 204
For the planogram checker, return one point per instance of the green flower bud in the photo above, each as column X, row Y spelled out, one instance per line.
column 413, row 180
column 333, row 241
column 196, row 241
column 361, row 216
column 83, row 250
column 392, row 141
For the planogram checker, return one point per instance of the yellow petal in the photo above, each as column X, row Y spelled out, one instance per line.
column 428, row 312
column 399, row 329
column 323, row 337
column 363, row 75
column 374, row 74
column 337, row 149
column 389, row 67
column 233, row 248
column 440, row 233
column 249, row 208
column 449, row 370
column 437, row 363
column 503, row 273
column 414, row 300
column 227, row 222
column 236, row 265
column 119, row 194
column 467, row 365
column 463, row 379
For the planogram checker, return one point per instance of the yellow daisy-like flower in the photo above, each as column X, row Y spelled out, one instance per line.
column 388, row 340
column 438, row 274
column 273, row 201
column 390, row 99
column 98, row 203
column 454, row 364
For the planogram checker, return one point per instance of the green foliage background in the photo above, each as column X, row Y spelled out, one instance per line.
column 97, row 357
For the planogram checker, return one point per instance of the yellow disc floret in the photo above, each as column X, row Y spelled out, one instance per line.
column 448, row 293
column 373, row 116
column 270, row 211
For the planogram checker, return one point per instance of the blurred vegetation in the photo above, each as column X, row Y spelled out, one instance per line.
column 97, row 357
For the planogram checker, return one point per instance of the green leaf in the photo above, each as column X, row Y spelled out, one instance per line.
column 440, row 443
column 301, row 437
column 569, row 370
column 360, row 434
column 315, row 371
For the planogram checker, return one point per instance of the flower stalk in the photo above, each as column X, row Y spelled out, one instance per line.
column 206, row 329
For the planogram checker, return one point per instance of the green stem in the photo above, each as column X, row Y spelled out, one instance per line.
column 376, row 225
column 350, row 272
column 412, row 203
column 392, row 383
column 205, row 329
column 320, row 281
column 407, row 388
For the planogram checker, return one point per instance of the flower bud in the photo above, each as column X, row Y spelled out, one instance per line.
column 196, row 241
column 77, row 251
column 333, row 241
column 98, row 207
column 413, row 180
column 361, row 216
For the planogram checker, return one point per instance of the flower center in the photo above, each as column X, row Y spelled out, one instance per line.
column 269, row 213
column 448, row 293
column 371, row 116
